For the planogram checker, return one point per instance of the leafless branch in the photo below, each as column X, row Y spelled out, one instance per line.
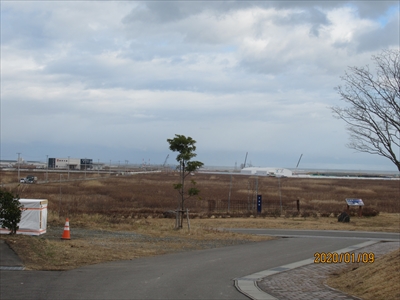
column 373, row 112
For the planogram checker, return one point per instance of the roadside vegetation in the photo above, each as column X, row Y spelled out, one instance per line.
column 10, row 211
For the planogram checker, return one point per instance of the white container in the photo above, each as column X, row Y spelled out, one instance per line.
column 33, row 217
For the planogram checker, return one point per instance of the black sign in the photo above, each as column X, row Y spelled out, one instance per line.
column 259, row 203
column 86, row 161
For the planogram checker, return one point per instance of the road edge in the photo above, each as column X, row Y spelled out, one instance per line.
column 247, row 285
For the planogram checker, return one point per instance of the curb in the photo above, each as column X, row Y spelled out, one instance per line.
column 248, row 285
column 5, row 268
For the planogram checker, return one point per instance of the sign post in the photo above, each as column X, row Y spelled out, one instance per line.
column 355, row 202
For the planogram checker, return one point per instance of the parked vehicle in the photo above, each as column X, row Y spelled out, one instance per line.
column 28, row 179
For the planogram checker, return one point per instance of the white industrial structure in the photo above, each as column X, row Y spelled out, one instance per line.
column 65, row 163
column 33, row 217
column 70, row 163
column 275, row 172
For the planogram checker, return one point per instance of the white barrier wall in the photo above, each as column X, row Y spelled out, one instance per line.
column 33, row 217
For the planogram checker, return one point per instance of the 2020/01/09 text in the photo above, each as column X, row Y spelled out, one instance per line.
column 346, row 257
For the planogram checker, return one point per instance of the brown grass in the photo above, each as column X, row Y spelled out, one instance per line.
column 379, row 280
column 145, row 194
column 384, row 222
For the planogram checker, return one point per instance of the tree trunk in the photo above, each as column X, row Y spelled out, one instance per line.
column 182, row 194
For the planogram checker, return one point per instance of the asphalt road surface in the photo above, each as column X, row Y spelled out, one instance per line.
column 203, row 274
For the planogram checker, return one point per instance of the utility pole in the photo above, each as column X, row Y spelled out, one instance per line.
column 18, row 164
column 248, row 195
column 255, row 200
column 280, row 193
column 59, row 205
column 229, row 198
column 47, row 168
column 68, row 167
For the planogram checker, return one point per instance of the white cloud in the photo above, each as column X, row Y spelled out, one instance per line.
column 235, row 76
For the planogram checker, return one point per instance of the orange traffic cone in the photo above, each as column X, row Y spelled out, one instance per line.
column 66, row 235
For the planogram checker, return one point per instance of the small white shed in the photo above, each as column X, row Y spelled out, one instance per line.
column 33, row 217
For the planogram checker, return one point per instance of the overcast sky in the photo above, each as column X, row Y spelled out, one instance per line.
column 114, row 80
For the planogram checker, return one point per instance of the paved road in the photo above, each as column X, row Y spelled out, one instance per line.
column 205, row 274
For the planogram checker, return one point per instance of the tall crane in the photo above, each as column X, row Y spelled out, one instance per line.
column 244, row 165
column 298, row 162
column 165, row 161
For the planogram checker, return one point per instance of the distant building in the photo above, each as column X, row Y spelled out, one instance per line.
column 275, row 172
column 22, row 164
column 86, row 164
column 70, row 163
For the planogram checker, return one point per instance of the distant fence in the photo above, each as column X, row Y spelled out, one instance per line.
column 233, row 205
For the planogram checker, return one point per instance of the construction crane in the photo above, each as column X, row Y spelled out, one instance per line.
column 298, row 163
column 165, row 161
column 244, row 165
column 299, row 160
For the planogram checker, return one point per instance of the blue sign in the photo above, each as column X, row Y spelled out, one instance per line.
column 354, row 202
column 259, row 203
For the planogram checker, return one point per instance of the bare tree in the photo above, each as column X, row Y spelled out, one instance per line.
column 373, row 114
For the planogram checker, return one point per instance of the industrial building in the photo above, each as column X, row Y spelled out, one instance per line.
column 275, row 172
column 70, row 163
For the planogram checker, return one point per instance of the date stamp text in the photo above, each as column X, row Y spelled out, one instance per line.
column 346, row 257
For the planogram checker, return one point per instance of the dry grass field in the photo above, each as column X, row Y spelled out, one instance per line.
column 122, row 217
column 152, row 194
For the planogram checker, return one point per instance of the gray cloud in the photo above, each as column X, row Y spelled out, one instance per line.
column 111, row 78
column 373, row 9
column 381, row 37
column 26, row 30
